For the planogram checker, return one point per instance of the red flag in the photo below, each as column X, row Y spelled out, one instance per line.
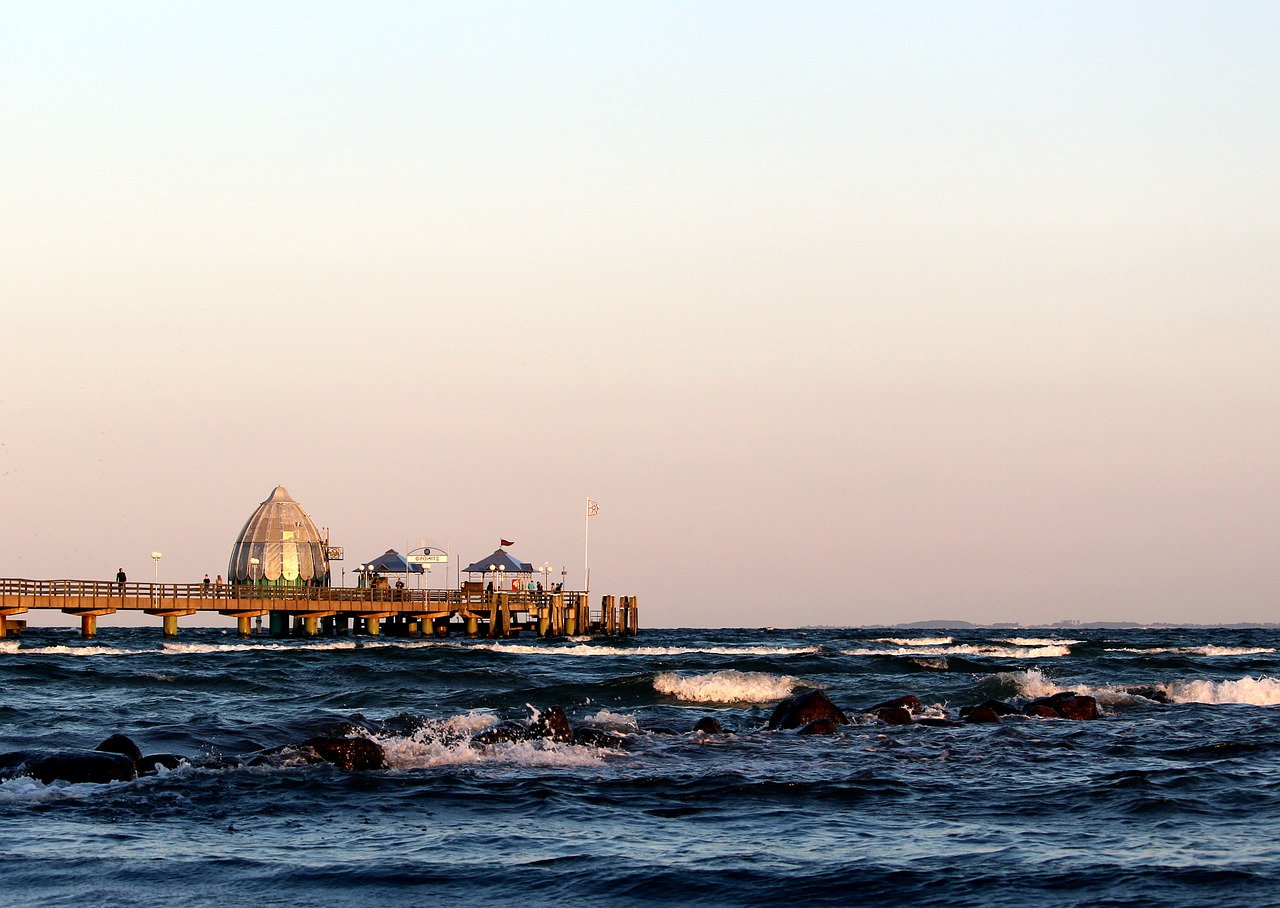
column 503, row 543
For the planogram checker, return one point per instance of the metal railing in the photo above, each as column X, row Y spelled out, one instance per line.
column 23, row 593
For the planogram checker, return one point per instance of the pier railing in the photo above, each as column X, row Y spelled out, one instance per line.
column 17, row 593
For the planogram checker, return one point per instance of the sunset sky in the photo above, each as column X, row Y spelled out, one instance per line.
column 844, row 313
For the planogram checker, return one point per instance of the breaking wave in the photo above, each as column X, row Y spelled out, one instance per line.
column 1262, row 691
column 730, row 686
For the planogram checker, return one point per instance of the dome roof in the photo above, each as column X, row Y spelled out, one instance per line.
column 282, row 536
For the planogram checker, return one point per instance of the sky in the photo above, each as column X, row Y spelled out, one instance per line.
column 845, row 313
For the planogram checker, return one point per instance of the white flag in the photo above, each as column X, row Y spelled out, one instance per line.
column 592, row 508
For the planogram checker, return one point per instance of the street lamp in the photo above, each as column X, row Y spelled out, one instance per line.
column 156, row 556
column 546, row 577
column 253, row 570
column 564, row 577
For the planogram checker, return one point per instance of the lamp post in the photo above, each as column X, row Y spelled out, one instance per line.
column 156, row 556
column 564, row 577
column 493, row 569
column 546, row 577
column 253, row 571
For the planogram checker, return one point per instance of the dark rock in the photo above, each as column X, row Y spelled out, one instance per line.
column 981, row 714
column 594, row 737
column 503, row 733
column 910, row 703
column 708, row 726
column 999, row 707
column 659, row 730
column 1082, row 708
column 553, row 724
column 934, row 722
column 1065, row 705
column 148, row 765
column 121, row 744
column 81, row 766
column 818, row 727
column 352, row 754
column 802, row 709
column 895, row 715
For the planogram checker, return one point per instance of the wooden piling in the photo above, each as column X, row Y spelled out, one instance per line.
column 88, row 626
column 242, row 626
column 170, row 624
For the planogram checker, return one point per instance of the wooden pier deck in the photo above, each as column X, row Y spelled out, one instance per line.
column 322, row 611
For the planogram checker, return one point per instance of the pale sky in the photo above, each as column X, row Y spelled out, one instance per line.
column 845, row 313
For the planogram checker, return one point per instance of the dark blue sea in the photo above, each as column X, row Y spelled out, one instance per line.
column 1171, row 798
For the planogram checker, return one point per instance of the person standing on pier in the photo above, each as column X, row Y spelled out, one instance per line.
column 120, row 579
column 204, row 588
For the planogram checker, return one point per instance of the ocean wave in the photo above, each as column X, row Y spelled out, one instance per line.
column 77, row 651
column 729, row 686
column 915, row 641
column 449, row 743
column 995, row 652
column 1038, row 641
column 1262, row 691
column 586, row 650
column 187, row 648
column 611, row 721
column 8, row 646
column 1197, row 650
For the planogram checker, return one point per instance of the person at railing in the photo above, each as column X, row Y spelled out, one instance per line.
column 205, row 587
column 218, row 586
column 120, row 581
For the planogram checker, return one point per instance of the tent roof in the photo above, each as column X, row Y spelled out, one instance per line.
column 500, row 559
column 392, row 562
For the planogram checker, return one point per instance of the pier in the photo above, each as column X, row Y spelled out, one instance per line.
column 314, row 611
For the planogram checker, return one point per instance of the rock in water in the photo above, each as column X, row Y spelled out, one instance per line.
column 802, row 709
column 121, row 744
column 352, row 754
column 81, row 766
column 1064, row 705
column 151, row 763
column 910, row 703
column 818, row 727
column 553, row 724
column 981, row 714
column 708, row 726
column 999, row 707
column 895, row 715
column 594, row 737
column 503, row 733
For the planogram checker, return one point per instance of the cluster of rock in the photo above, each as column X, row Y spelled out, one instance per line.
column 119, row 759
column 813, row 712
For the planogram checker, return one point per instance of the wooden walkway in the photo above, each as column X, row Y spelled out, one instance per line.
column 321, row 611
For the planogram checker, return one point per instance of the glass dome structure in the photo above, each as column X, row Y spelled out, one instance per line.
column 290, row 551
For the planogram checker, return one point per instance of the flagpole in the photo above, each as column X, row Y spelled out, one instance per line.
column 586, row 549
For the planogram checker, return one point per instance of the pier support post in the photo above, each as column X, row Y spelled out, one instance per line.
column 473, row 625
column 242, row 626
column 571, row 622
column 506, row 614
column 310, row 626
column 4, row 627
column 343, row 625
column 88, row 626
column 170, row 624
column 279, row 624
column 635, row 616
column 372, row 626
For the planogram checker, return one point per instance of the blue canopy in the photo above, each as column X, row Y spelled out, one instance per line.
column 392, row 562
column 500, row 561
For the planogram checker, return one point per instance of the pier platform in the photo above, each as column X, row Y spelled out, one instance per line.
column 323, row 611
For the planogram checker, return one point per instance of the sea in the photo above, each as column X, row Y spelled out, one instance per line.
column 1171, row 798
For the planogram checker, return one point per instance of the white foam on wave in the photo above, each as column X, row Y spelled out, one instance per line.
column 26, row 790
column 729, row 686
column 78, row 651
column 8, row 646
column 1197, row 650
column 1038, row 641
column 587, row 650
column 996, row 652
column 187, row 648
column 611, row 721
column 915, row 641
column 449, row 743
column 1261, row 691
